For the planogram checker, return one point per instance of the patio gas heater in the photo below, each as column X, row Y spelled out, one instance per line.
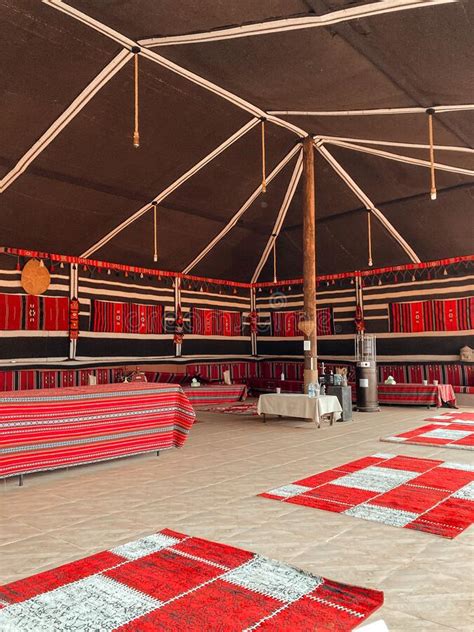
column 366, row 373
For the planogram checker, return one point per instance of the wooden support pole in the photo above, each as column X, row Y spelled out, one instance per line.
column 309, row 265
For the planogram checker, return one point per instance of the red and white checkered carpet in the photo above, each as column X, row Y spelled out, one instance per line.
column 173, row 582
column 453, row 416
column 445, row 434
column 421, row 494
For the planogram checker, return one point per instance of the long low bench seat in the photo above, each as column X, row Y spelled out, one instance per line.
column 261, row 376
column 406, row 394
column 49, row 429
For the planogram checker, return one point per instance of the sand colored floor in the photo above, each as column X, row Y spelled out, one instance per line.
column 209, row 489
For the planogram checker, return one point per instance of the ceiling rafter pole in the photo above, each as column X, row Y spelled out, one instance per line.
column 375, row 111
column 390, row 143
column 293, row 23
column 235, row 218
column 379, row 62
column 173, row 67
column 290, row 192
column 466, row 186
column 99, row 81
column 342, row 173
column 172, row 187
column 59, row 5
column 310, row 374
column 401, row 158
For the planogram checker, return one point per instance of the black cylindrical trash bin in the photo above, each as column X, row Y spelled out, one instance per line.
column 366, row 387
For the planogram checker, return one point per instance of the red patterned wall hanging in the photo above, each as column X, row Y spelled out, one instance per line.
column 214, row 322
column 435, row 315
column 285, row 324
column 127, row 318
column 411, row 317
column 34, row 313
column 454, row 314
column 11, row 311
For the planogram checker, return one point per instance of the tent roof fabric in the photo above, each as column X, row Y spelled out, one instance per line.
column 89, row 178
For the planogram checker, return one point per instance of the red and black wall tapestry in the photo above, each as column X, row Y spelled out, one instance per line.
column 127, row 318
column 286, row 324
column 216, row 322
column 34, row 313
column 456, row 314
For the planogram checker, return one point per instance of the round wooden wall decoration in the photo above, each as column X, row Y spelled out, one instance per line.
column 35, row 277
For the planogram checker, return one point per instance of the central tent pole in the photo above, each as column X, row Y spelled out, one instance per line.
column 309, row 265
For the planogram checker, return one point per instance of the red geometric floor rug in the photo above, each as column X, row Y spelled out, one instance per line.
column 438, row 433
column 236, row 409
column 172, row 582
column 453, row 417
column 420, row 494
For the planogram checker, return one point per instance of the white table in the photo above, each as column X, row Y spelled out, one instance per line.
column 301, row 406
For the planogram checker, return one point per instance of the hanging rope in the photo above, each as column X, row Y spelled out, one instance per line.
column 430, row 113
column 369, row 237
column 155, row 233
column 136, row 133
column 274, row 259
column 264, row 177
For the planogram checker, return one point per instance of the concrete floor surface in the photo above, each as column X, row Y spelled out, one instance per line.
column 209, row 488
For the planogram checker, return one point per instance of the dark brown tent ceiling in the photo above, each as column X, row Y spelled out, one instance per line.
column 89, row 178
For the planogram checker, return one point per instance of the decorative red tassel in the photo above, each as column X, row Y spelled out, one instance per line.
column 253, row 318
column 178, row 327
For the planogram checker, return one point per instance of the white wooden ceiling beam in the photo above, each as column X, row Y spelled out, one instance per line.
column 171, row 66
column 290, row 192
column 235, row 218
column 292, row 24
column 121, row 39
column 104, row 76
column 390, row 143
column 369, row 205
column 409, row 160
column 172, row 187
column 376, row 111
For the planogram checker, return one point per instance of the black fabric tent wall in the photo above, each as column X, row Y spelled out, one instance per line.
column 380, row 290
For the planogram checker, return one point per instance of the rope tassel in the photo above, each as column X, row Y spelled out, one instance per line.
column 136, row 133
column 155, row 232
column 433, row 193
column 264, row 177
column 369, row 236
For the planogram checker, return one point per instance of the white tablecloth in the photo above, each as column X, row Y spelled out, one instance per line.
column 296, row 405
